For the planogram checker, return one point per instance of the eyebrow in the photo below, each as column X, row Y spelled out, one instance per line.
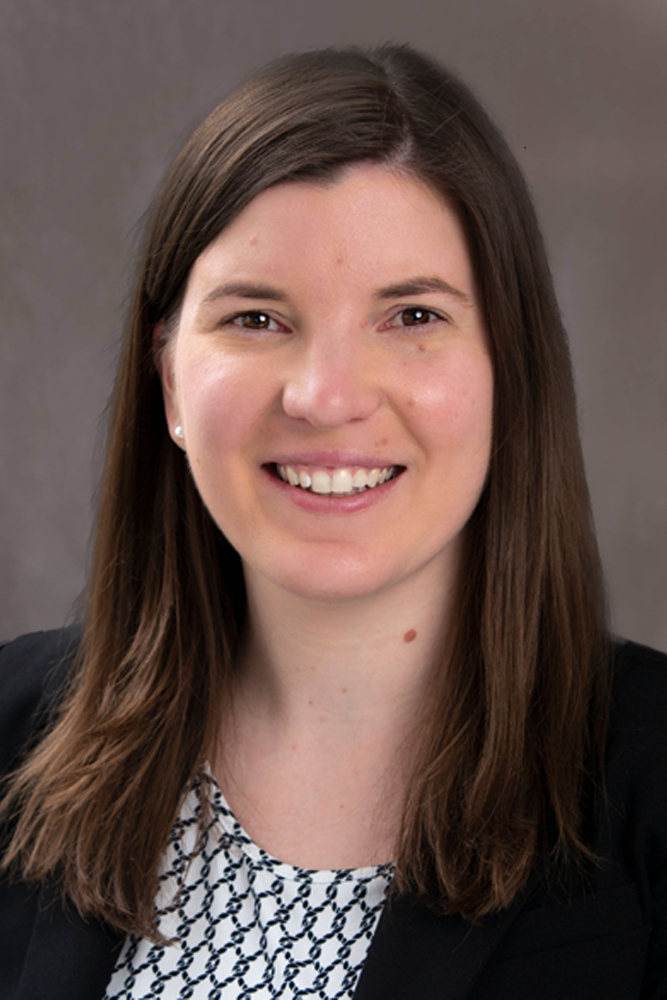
column 419, row 286
column 245, row 290
column 402, row 289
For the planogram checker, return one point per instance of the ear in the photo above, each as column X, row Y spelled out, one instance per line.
column 163, row 353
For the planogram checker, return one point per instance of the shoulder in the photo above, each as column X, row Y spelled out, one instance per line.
column 636, row 770
column 633, row 662
column 639, row 696
column 33, row 669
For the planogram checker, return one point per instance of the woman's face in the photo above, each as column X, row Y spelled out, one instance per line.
column 329, row 332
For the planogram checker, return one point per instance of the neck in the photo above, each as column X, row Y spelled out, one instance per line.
column 346, row 663
column 316, row 758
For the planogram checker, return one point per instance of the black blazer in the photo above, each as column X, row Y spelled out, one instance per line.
column 565, row 938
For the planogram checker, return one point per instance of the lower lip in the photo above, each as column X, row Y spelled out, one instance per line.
column 330, row 503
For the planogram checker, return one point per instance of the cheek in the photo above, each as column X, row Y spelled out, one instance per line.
column 221, row 401
column 453, row 402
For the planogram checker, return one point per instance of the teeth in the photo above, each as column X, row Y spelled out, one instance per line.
column 321, row 482
column 341, row 482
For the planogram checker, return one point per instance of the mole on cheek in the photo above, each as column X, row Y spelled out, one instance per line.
column 422, row 347
column 409, row 636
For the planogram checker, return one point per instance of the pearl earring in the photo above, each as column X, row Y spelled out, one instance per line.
column 178, row 432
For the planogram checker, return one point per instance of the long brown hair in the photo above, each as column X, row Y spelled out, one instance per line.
column 517, row 723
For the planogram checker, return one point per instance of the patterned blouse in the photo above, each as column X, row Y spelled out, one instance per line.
column 246, row 925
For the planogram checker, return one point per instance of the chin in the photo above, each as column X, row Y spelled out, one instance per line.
column 333, row 581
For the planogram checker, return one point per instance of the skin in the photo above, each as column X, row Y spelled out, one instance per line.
column 348, row 600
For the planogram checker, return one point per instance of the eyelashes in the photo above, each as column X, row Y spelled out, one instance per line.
column 255, row 319
column 408, row 317
column 417, row 316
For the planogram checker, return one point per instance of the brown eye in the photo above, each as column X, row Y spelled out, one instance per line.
column 253, row 320
column 416, row 316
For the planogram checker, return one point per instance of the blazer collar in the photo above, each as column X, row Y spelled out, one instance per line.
column 416, row 955
column 68, row 958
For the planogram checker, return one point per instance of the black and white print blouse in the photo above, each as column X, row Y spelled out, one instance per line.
column 245, row 925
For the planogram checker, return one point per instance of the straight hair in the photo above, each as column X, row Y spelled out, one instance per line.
column 517, row 720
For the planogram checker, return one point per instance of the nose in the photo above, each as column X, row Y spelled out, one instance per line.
column 331, row 382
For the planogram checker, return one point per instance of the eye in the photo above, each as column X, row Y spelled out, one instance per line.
column 253, row 321
column 410, row 317
column 417, row 316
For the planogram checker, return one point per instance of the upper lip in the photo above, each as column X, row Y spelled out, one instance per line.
column 336, row 459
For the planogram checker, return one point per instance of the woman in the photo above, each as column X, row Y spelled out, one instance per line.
column 338, row 722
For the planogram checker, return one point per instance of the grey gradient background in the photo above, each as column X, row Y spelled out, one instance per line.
column 98, row 94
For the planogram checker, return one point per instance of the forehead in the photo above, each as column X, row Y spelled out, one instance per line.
column 371, row 223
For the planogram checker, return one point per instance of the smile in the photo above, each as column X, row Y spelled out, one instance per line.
column 340, row 482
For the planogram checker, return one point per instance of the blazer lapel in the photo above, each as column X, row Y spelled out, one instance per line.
column 416, row 955
column 67, row 958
